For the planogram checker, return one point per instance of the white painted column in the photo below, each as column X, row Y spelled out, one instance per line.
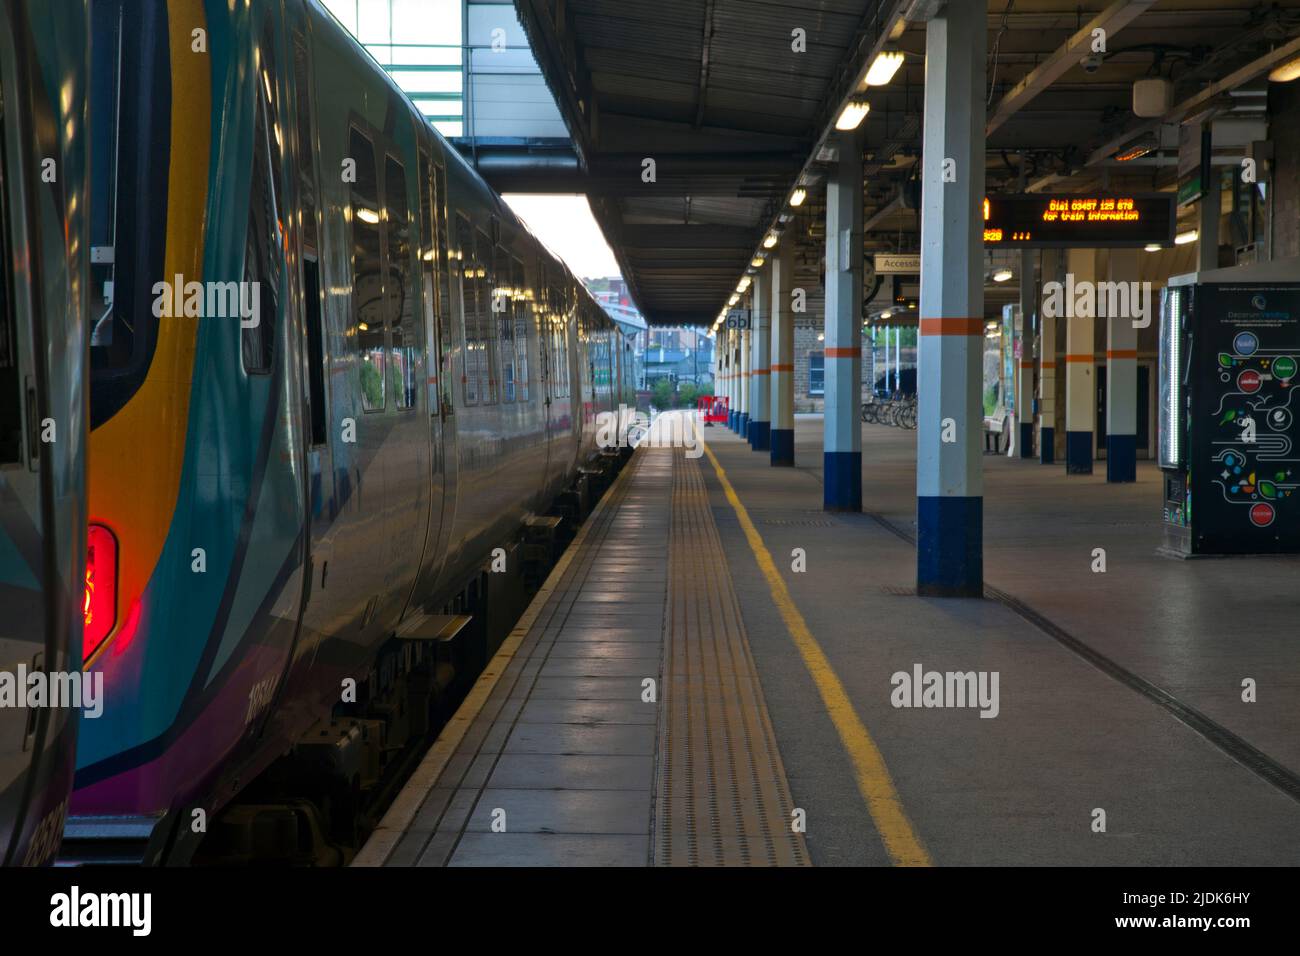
column 760, row 393
column 746, row 363
column 1121, row 365
column 949, row 479
column 1025, row 361
column 1047, row 363
column 1080, row 362
column 782, row 265
column 842, row 345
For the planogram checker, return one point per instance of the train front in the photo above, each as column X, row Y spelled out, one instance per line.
column 195, row 483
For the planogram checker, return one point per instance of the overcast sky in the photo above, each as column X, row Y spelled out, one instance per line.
column 566, row 226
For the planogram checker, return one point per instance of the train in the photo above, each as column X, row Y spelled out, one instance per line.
column 330, row 379
column 43, row 412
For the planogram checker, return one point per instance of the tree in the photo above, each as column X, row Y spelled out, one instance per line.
column 663, row 396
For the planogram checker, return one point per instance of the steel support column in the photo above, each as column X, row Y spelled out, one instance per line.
column 949, row 480
column 760, row 397
column 1080, row 362
column 782, row 357
column 1025, row 361
column 1121, row 373
column 746, row 363
column 1051, row 263
column 842, row 347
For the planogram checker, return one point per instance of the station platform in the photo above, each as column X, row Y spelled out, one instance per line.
column 775, row 634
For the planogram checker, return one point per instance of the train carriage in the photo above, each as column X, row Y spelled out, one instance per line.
column 336, row 373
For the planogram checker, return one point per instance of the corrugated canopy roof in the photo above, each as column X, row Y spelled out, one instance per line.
column 714, row 93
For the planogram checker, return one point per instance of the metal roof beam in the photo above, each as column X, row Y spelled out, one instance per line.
column 1189, row 106
column 1112, row 20
column 705, row 49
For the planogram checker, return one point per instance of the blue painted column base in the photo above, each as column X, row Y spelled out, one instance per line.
column 1121, row 458
column 731, row 419
column 760, row 435
column 1078, row 453
column 1047, row 453
column 1026, row 439
column 950, row 547
column 842, row 490
column 742, row 425
column 783, row 446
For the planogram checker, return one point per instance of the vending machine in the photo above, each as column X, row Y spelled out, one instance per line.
column 1229, row 441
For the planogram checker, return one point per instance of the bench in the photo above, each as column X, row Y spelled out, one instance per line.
column 994, row 430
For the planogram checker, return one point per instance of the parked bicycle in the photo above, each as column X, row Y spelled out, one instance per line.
column 899, row 411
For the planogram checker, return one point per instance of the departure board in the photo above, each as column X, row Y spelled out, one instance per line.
column 1043, row 220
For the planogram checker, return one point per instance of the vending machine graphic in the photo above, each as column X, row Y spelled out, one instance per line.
column 1229, row 442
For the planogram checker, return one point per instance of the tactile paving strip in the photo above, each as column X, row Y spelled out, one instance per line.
column 722, row 798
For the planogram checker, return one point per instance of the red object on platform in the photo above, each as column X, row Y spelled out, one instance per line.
column 712, row 408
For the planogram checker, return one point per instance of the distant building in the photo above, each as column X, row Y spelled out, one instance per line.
column 680, row 355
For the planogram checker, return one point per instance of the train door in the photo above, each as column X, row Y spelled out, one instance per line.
column 542, row 322
column 22, row 633
column 319, row 471
column 436, row 311
column 43, row 345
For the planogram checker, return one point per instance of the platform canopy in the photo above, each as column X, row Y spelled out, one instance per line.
column 737, row 112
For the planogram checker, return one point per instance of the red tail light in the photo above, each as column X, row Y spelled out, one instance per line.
column 100, row 603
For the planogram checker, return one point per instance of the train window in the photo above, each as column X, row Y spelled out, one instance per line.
column 311, row 292
column 367, row 279
column 520, row 319
column 503, row 304
column 263, row 242
column 469, row 309
column 315, row 350
column 398, row 291
column 430, row 266
column 487, row 352
column 129, row 114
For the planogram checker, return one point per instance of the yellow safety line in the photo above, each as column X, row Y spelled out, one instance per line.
column 874, row 783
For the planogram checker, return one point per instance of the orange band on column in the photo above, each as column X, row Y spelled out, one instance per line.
column 1122, row 354
column 782, row 368
column 1080, row 358
column 844, row 353
column 952, row 326
column 1049, row 365
column 762, row 371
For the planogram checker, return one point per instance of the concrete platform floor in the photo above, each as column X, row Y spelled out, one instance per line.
column 1069, row 738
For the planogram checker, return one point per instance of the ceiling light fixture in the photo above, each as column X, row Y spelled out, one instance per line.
column 798, row 196
column 1002, row 275
column 1183, row 238
column 771, row 241
column 884, row 67
column 1285, row 72
column 855, row 111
